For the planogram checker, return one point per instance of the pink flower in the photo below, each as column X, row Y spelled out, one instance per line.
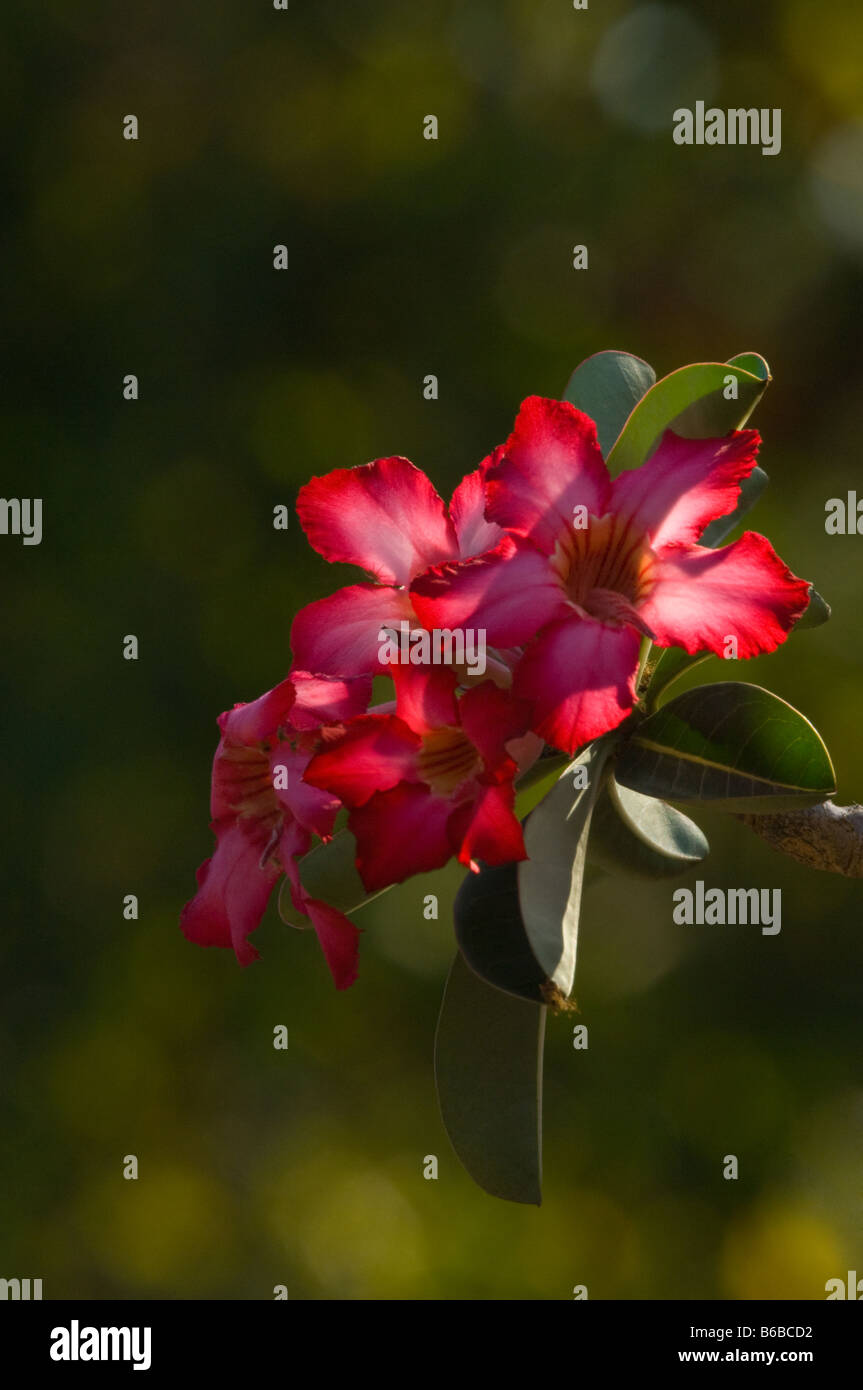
column 433, row 780
column 588, row 565
column 264, row 816
column 387, row 518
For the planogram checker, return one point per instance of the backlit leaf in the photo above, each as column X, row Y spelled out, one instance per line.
column 488, row 1068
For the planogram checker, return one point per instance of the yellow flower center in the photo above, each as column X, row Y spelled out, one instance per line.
column 251, row 782
column 446, row 759
column 606, row 569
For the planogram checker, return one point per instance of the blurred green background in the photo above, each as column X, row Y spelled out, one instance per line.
column 407, row 257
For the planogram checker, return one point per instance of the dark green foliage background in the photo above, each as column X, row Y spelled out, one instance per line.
column 407, row 257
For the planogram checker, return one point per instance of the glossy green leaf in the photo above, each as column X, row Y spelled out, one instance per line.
column 751, row 362
column 607, row 387
column 732, row 746
column 491, row 934
column 691, row 402
column 488, row 1068
column 550, row 879
column 329, row 872
column 641, row 837
column 750, row 490
column 818, row 612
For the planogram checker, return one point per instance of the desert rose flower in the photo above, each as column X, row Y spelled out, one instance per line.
column 387, row 518
column 431, row 781
column 264, row 817
column 589, row 565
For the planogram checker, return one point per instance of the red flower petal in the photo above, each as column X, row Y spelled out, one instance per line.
column 384, row 516
column 337, row 935
column 339, row 939
column 375, row 752
column 425, row 696
column 684, row 485
column 467, row 510
column 314, row 809
column 510, row 592
column 491, row 718
column 233, row 890
column 493, row 834
column 327, row 700
column 259, row 720
column 339, row 634
column 551, row 463
column 702, row 596
column 400, row 833
column 580, row 676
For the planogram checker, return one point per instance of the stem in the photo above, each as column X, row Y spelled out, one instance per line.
column 643, row 657
column 824, row 837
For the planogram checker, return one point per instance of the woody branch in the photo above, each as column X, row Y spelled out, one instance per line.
column 822, row 837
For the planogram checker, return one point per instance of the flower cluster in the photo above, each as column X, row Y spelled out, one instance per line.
column 563, row 571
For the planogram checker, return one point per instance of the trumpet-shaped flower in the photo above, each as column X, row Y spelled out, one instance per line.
column 264, row 817
column 431, row 781
column 587, row 566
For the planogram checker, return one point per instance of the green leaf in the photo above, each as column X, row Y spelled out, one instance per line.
column 537, row 781
column 750, row 490
column 691, row 402
column 491, row 935
column 329, row 872
column 550, row 879
column 641, row 837
column 818, row 612
column 753, row 486
column 488, row 1068
column 751, row 362
column 666, row 665
column 732, row 746
column 607, row 387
